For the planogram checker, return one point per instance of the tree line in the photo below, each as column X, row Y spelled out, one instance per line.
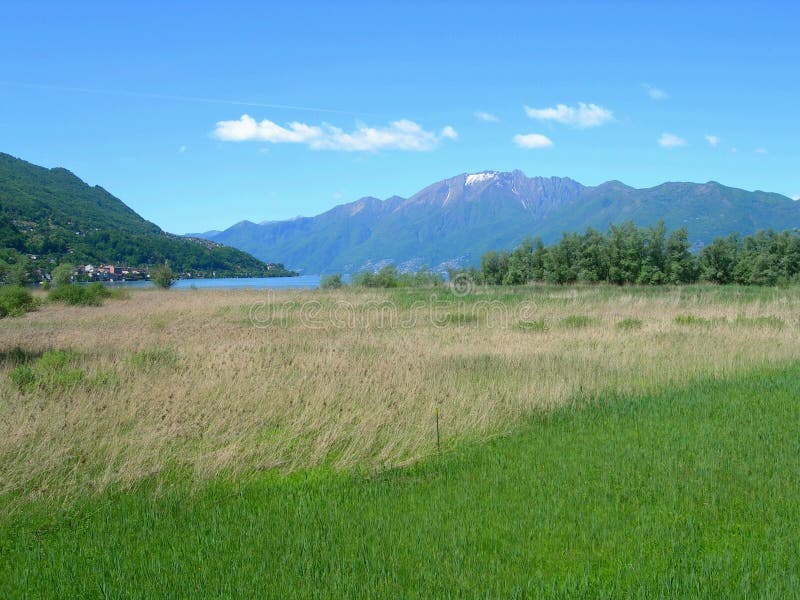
column 627, row 254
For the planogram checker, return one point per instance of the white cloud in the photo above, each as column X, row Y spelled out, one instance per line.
column 712, row 140
column 485, row 116
column 585, row 115
column 761, row 150
column 532, row 140
column 449, row 133
column 654, row 92
column 182, row 149
column 796, row 197
column 397, row 135
column 670, row 140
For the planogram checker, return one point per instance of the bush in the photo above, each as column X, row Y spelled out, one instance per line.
column 389, row 277
column 15, row 301
column 62, row 275
column 23, row 377
column 385, row 278
column 163, row 277
column 331, row 282
column 81, row 294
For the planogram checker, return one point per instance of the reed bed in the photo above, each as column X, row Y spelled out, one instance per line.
column 228, row 382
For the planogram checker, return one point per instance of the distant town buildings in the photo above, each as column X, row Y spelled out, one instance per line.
column 109, row 273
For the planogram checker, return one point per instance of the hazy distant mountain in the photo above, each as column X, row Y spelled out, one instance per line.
column 458, row 219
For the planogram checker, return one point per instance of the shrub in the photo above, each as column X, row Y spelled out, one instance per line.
column 15, row 301
column 331, row 282
column 62, row 275
column 81, row 294
column 22, row 376
column 163, row 277
column 387, row 277
column 390, row 277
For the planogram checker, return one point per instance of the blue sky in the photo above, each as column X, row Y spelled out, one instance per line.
column 346, row 100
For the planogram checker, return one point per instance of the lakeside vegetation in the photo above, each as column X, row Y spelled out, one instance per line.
column 628, row 254
column 15, row 301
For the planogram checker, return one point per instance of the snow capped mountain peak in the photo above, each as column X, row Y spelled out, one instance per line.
column 479, row 177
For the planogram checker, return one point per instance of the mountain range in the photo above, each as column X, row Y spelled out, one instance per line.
column 48, row 216
column 454, row 221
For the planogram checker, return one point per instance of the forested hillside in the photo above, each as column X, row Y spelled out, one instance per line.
column 49, row 216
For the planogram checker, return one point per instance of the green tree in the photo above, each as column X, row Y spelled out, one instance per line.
column 20, row 273
column 163, row 276
column 561, row 262
column 494, row 266
column 719, row 259
column 521, row 264
column 681, row 264
column 592, row 263
column 625, row 253
column 331, row 282
column 62, row 275
column 653, row 270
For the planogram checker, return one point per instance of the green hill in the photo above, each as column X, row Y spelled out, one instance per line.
column 48, row 216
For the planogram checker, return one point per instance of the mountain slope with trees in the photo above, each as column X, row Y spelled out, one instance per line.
column 48, row 216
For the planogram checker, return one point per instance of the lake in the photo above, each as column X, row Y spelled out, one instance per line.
column 301, row 282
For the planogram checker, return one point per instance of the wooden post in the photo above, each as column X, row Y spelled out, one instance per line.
column 438, row 446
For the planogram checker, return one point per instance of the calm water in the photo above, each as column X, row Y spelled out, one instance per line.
column 303, row 281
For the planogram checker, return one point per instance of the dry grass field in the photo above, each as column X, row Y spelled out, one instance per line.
column 98, row 398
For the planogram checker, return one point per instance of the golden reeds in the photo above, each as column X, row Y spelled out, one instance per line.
column 229, row 381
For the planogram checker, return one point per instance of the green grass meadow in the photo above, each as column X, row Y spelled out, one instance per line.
column 690, row 493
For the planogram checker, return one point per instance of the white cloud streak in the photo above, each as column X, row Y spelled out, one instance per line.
column 712, row 140
column 136, row 94
column 486, row 117
column 582, row 116
column 397, row 135
column 655, row 93
column 532, row 141
column 670, row 140
column 761, row 150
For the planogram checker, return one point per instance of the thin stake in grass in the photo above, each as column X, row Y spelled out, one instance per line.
column 438, row 444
